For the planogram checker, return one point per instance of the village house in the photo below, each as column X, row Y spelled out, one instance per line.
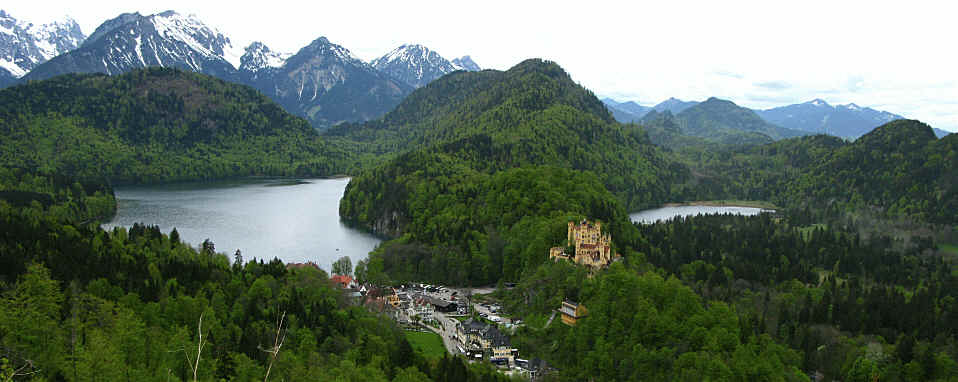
column 572, row 312
column 591, row 247
column 343, row 281
column 421, row 306
column 486, row 341
column 443, row 306
column 497, row 347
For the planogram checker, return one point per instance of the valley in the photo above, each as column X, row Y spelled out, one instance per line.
column 166, row 196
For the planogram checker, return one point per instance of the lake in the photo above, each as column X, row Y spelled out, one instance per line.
column 666, row 213
column 296, row 221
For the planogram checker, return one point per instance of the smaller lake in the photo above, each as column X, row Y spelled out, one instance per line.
column 666, row 213
column 296, row 221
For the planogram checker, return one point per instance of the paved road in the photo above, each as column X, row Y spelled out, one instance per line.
column 447, row 331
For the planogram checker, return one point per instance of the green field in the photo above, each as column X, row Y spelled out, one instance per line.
column 428, row 344
column 950, row 249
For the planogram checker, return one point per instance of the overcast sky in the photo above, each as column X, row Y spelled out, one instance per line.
column 897, row 56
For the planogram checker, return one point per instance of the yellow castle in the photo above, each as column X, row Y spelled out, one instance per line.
column 592, row 248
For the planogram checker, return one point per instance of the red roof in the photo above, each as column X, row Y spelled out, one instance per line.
column 342, row 280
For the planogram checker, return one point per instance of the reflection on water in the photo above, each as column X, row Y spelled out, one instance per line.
column 296, row 221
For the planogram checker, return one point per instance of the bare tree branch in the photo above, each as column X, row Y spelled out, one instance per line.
column 19, row 372
column 195, row 364
column 277, row 344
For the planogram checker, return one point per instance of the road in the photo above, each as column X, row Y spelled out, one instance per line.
column 448, row 324
column 447, row 328
column 448, row 332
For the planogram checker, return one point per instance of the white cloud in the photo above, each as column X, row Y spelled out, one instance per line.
column 891, row 55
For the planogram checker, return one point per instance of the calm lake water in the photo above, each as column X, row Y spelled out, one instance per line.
column 294, row 221
column 666, row 213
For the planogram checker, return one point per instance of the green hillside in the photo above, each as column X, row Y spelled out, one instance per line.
column 529, row 135
column 155, row 125
column 532, row 114
column 899, row 168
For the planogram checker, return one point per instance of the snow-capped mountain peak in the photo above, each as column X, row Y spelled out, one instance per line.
column 818, row 102
column 466, row 63
column 24, row 45
column 411, row 55
column 852, row 106
column 322, row 46
column 131, row 41
column 258, row 56
column 416, row 64
column 192, row 31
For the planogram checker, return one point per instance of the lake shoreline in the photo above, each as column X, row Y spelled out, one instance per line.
column 725, row 203
column 295, row 219
column 674, row 210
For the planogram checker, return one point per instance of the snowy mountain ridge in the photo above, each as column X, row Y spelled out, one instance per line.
column 418, row 65
column 466, row 63
column 24, row 45
column 132, row 41
column 258, row 57
column 192, row 31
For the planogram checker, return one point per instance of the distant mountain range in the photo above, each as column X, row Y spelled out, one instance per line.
column 813, row 117
column 717, row 120
column 705, row 118
column 818, row 117
column 24, row 45
column 323, row 82
column 631, row 111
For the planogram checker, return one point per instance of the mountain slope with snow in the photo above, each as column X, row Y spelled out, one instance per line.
column 417, row 65
column 466, row 63
column 24, row 45
column 323, row 82
column 131, row 41
column 259, row 57
column 327, row 84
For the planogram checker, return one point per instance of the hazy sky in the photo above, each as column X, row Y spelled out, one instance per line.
column 897, row 56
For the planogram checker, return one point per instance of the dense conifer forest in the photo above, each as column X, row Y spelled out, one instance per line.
column 155, row 125
column 80, row 303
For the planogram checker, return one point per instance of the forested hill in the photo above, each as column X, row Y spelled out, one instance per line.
column 494, row 161
column 530, row 115
column 900, row 168
column 490, row 102
column 155, row 125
